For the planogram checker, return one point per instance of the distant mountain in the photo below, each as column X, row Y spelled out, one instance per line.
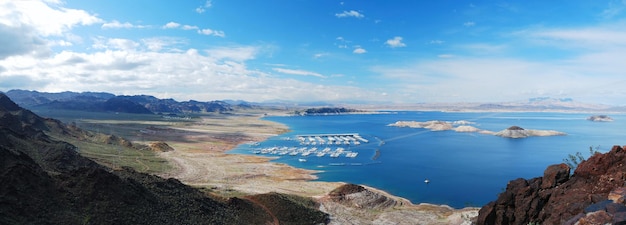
column 544, row 104
column 46, row 181
column 99, row 101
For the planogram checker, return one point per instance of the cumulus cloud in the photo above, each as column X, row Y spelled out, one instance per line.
column 210, row 32
column 191, row 74
column 298, row 72
column 163, row 43
column 395, row 42
column 171, row 25
column 189, row 27
column 359, row 50
column 350, row 13
column 20, row 41
column 47, row 18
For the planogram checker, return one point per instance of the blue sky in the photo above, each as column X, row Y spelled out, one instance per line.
column 304, row 50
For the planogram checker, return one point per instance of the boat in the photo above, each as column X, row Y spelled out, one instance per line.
column 302, row 160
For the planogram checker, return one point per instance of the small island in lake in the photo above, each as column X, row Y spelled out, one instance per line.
column 518, row 132
column 600, row 118
column 326, row 111
column 461, row 126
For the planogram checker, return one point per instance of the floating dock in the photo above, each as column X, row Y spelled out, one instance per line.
column 331, row 139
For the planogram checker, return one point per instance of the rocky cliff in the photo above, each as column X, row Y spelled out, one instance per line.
column 594, row 194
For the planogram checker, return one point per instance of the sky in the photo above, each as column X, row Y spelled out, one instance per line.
column 386, row 52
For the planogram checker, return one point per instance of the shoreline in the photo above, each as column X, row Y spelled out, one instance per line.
column 201, row 158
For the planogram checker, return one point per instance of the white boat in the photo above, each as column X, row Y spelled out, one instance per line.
column 302, row 160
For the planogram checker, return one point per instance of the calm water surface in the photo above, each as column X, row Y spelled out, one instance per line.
column 464, row 169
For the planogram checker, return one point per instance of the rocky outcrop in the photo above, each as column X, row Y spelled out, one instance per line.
column 359, row 197
column 518, row 132
column 594, row 194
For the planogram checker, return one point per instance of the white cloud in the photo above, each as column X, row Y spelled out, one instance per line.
column 586, row 38
column 20, row 41
column 114, row 43
column 212, row 32
column 469, row 24
column 350, row 13
column 319, row 55
column 201, row 9
column 163, row 43
column 47, row 18
column 220, row 74
column 298, row 72
column 238, row 54
column 171, row 25
column 395, row 42
column 189, row 27
column 359, row 50
column 116, row 25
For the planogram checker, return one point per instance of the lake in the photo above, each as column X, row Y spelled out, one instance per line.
column 463, row 169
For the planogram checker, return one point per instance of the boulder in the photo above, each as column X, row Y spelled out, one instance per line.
column 555, row 175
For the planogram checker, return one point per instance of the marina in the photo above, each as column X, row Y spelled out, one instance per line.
column 319, row 145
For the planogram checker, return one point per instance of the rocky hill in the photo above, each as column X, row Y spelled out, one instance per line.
column 594, row 194
column 107, row 102
column 46, row 181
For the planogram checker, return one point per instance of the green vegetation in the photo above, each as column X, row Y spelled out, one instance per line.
column 573, row 160
column 117, row 156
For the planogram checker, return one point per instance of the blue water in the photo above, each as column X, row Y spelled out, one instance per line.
column 464, row 169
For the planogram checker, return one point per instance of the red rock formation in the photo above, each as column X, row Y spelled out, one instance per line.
column 557, row 198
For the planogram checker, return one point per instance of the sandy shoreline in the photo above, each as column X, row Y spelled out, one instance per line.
column 200, row 159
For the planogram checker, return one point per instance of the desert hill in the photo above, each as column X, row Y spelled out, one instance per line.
column 45, row 181
column 107, row 102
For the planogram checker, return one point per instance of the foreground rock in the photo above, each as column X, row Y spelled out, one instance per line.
column 594, row 194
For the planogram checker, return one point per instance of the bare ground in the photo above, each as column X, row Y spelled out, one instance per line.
column 200, row 159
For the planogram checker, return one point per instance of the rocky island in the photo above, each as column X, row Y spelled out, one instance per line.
column 600, row 118
column 518, row 132
column 462, row 126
